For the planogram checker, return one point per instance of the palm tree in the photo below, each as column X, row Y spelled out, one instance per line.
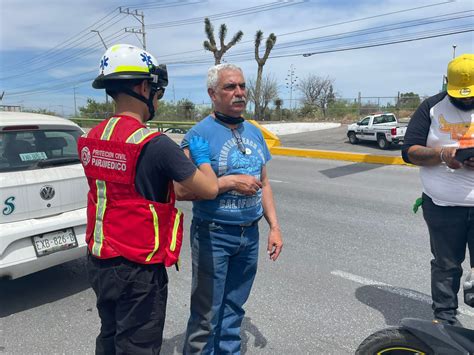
column 261, row 62
column 211, row 45
column 278, row 104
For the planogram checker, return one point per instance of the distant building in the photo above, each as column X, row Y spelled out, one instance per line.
column 12, row 108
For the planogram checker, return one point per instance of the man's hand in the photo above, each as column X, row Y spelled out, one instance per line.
column 447, row 155
column 199, row 149
column 275, row 243
column 246, row 184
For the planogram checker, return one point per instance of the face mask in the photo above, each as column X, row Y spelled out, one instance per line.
column 228, row 119
column 463, row 104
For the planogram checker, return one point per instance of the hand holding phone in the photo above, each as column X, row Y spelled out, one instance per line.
column 463, row 154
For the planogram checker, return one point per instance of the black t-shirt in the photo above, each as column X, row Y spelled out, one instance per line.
column 161, row 161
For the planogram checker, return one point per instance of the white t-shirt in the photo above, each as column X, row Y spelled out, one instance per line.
column 450, row 127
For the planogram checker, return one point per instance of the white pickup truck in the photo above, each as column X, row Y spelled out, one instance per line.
column 382, row 128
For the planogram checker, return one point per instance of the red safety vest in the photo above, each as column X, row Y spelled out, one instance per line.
column 121, row 222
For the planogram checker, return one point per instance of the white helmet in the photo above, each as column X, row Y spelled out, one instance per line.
column 124, row 61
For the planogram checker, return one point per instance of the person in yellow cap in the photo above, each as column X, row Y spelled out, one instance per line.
column 440, row 139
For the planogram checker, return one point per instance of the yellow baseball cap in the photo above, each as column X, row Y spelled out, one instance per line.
column 461, row 76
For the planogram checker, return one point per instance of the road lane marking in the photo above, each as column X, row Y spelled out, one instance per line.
column 387, row 287
column 272, row 180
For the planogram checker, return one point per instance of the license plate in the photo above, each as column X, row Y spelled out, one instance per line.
column 52, row 242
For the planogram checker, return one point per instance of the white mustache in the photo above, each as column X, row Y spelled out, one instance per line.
column 239, row 100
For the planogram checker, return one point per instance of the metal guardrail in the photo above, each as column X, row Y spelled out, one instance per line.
column 161, row 126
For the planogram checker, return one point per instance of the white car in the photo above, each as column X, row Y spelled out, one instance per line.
column 43, row 193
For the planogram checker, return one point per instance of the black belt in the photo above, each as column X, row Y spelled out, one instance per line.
column 247, row 224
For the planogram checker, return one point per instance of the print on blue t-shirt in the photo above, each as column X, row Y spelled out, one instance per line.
column 231, row 207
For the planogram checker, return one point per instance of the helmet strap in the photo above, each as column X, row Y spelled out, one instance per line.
column 148, row 102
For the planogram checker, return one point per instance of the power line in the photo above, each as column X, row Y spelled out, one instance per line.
column 84, row 36
column 377, row 30
column 384, row 43
column 420, row 36
column 228, row 14
column 243, row 55
column 53, row 51
column 154, row 5
column 330, row 25
column 342, row 35
column 72, row 56
column 452, row 31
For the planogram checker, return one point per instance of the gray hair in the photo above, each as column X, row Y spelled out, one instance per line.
column 213, row 73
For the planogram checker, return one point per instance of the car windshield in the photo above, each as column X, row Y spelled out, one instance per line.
column 38, row 149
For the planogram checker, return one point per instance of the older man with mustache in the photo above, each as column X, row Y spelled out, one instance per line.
column 224, row 231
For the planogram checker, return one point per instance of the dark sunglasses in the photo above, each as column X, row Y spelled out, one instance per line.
column 239, row 141
column 159, row 93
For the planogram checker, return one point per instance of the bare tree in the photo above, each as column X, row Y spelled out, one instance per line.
column 317, row 92
column 268, row 92
column 261, row 62
column 211, row 45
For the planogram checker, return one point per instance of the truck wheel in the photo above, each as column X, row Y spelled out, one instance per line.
column 352, row 138
column 383, row 142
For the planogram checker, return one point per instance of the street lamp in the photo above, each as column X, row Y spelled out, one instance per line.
column 291, row 79
column 454, row 51
column 101, row 39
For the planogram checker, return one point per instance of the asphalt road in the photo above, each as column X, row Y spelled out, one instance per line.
column 355, row 260
column 326, row 139
column 334, row 139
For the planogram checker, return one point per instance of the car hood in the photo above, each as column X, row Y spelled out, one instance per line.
column 42, row 192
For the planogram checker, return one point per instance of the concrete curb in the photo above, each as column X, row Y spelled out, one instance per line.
column 319, row 154
column 334, row 155
column 271, row 139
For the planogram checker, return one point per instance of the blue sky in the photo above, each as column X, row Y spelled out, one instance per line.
column 48, row 52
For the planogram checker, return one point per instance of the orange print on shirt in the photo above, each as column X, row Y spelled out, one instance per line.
column 463, row 132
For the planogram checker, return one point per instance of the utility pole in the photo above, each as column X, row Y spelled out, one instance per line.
column 75, row 109
column 291, row 79
column 140, row 17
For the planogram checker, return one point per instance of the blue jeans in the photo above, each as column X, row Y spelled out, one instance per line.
column 224, row 267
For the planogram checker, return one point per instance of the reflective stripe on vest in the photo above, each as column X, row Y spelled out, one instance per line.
column 99, row 217
column 175, row 230
column 156, row 227
column 102, row 196
column 139, row 136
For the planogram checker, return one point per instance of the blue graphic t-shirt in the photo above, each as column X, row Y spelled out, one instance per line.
column 231, row 207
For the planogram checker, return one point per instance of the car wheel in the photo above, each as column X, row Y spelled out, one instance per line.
column 383, row 142
column 352, row 138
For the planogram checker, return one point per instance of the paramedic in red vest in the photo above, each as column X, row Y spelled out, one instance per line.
column 134, row 230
